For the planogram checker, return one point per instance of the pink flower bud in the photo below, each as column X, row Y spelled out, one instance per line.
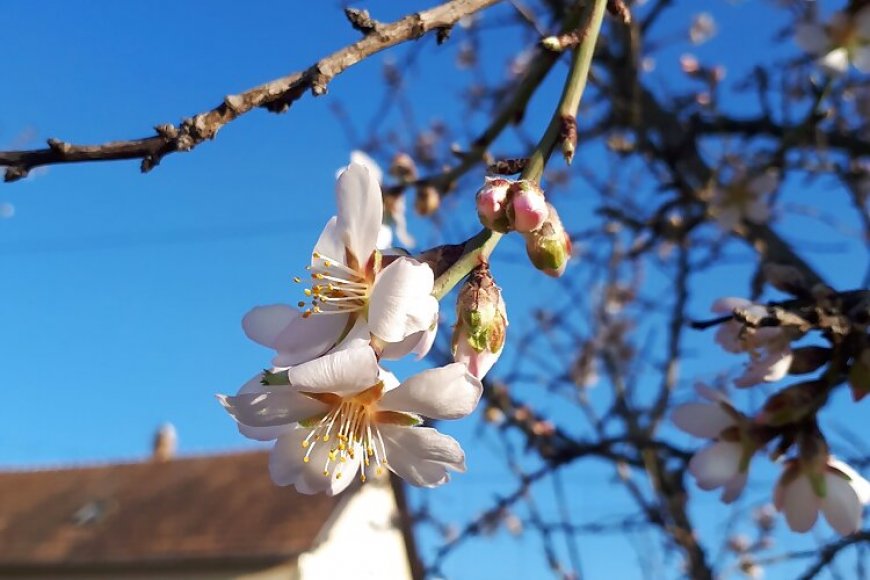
column 549, row 247
column 528, row 208
column 492, row 204
column 481, row 322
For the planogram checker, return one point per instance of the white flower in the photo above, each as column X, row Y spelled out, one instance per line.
column 395, row 213
column 769, row 348
column 843, row 495
column 342, row 414
column 703, row 28
column 746, row 197
column 351, row 295
column 843, row 40
column 724, row 463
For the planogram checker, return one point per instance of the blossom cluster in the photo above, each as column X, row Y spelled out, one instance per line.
column 813, row 480
column 334, row 411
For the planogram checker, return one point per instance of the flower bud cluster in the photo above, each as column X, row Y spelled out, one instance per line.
column 504, row 206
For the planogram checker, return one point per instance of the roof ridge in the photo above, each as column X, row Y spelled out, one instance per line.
column 145, row 459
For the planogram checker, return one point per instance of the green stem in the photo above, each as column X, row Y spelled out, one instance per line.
column 479, row 248
column 572, row 92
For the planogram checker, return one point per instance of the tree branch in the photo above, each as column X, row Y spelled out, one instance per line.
column 276, row 96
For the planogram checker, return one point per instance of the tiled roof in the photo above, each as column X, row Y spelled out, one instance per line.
column 213, row 508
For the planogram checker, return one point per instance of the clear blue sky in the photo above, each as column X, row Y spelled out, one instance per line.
column 121, row 295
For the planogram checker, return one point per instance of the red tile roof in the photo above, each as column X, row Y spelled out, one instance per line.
column 215, row 508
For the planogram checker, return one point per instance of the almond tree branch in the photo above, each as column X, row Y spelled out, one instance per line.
column 275, row 96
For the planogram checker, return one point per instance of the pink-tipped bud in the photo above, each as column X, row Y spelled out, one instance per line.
column 492, row 204
column 528, row 208
column 549, row 247
column 481, row 323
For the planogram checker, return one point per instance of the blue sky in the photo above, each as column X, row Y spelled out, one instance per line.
column 122, row 293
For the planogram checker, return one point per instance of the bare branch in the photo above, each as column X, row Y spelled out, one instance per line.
column 276, row 96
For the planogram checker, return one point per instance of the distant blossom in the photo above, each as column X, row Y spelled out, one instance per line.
column 842, row 41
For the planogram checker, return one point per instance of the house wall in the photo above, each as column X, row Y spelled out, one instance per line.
column 362, row 541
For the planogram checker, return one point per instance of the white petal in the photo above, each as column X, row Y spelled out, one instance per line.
column 701, row 419
column 727, row 217
column 734, row 487
column 812, row 38
column 768, row 368
column 341, row 372
column 263, row 324
column 362, row 158
column 385, row 237
column 835, row 62
column 861, row 58
column 478, row 363
column 841, row 505
column 862, row 23
column 271, row 408
column 727, row 305
column 800, row 504
column 360, row 211
column 329, row 245
column 765, row 183
column 715, row 465
column 286, row 459
column 728, row 337
column 418, row 343
column 307, row 338
column 448, row 392
column 421, row 455
column 259, row 433
column 287, row 466
column 401, row 302
column 856, row 480
column 758, row 211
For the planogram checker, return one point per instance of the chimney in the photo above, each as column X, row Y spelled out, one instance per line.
column 165, row 443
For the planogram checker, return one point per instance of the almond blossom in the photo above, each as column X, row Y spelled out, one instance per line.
column 746, row 197
column 342, row 414
column 724, row 463
column 839, row 492
column 769, row 347
column 352, row 294
column 843, row 40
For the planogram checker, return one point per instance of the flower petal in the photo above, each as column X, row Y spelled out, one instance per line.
column 418, row 343
column 286, row 459
column 856, row 480
column 861, row 59
column 263, row 324
column 362, row 158
column 727, row 305
column 287, row 466
column 421, row 455
column 448, row 392
column 360, row 211
column 385, row 238
column 812, row 38
column 770, row 367
column 307, row 338
column 329, row 245
column 271, row 408
column 841, row 505
column 258, row 433
column 342, row 372
column 401, row 303
column 714, row 466
column 800, row 505
column 734, row 487
column 701, row 419
column 835, row 62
